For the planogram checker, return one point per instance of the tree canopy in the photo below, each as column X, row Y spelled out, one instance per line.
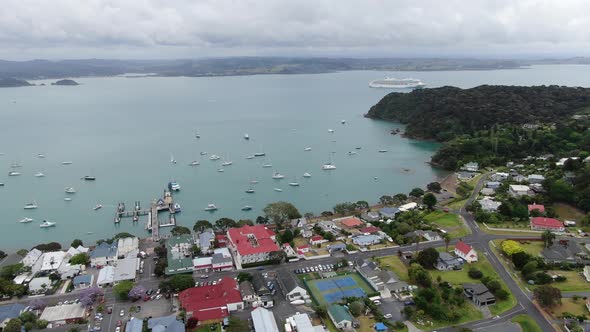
column 280, row 212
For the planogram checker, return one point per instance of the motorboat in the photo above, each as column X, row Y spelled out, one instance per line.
column 13, row 173
column 277, row 175
column 307, row 149
column 382, row 150
column 214, row 157
column 97, row 207
column 173, row 185
column 26, row 220
column 67, row 199
column 203, row 153
column 278, row 189
column 211, row 207
column 177, row 207
column 358, row 148
column 246, row 136
column 194, row 163
column 89, row 178
column 220, row 170
column 351, row 153
column 327, row 167
column 259, row 154
column 246, row 208
column 250, row 191
column 331, row 131
column 294, row 183
column 66, row 162
column 226, row 163
column 267, row 165
column 250, row 157
column 46, row 224
column 70, row 190
column 39, row 175
column 40, row 155
column 343, row 121
column 197, row 135
column 172, row 160
column 31, row 206
column 1, row 184
column 253, row 181
column 16, row 165
column 306, row 175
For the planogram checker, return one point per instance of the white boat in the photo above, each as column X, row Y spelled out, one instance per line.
column 267, row 165
column 351, row 153
column 173, row 186
column 294, row 183
column 277, row 175
column 382, row 150
column 397, row 83
column 306, row 175
column 278, row 189
column 327, row 167
column 16, row 165
column 39, row 175
column 330, row 130
column 70, row 190
column 172, row 160
column 211, row 207
column 194, row 163
column 220, row 170
column 13, row 173
column 66, row 162
column 25, row 220
column 246, row 136
column 307, row 149
column 31, row 206
column 197, row 135
column 214, row 157
column 254, row 181
column 203, row 153
column 46, row 224
column 259, row 154
column 40, row 155
column 226, row 163
column 250, row 157
column 250, row 191
column 67, row 199
column 97, row 207
column 343, row 121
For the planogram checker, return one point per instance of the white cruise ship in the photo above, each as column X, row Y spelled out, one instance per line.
column 397, row 83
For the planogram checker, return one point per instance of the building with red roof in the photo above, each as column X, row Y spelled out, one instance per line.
column 209, row 304
column 539, row 207
column 221, row 240
column 466, row 252
column 369, row 230
column 317, row 239
column 350, row 222
column 542, row 224
column 251, row 244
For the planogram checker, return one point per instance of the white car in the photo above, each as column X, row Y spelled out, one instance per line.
column 387, row 316
column 122, row 313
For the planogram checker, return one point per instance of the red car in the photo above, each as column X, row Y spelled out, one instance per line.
column 109, row 310
column 146, row 298
column 119, row 323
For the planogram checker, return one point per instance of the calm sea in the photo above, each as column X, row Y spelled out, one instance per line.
column 124, row 131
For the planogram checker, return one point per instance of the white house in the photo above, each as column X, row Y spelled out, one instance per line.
column 466, row 252
column 470, row 167
column 408, row 206
column 587, row 273
column 103, row 254
column 517, row 190
column 39, row 285
column 50, row 261
column 32, row 257
column 489, row 204
column 127, row 247
column 535, row 178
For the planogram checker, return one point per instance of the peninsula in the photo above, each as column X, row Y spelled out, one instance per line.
column 12, row 83
column 66, row 82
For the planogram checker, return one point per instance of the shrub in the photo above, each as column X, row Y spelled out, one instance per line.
column 475, row 273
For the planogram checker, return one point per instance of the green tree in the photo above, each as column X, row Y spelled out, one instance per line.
column 81, row 258
column 434, row 187
column 447, row 238
column 277, row 257
column 122, row 289
column 429, row 200
column 42, row 324
column 244, row 276
column 548, row 238
column 286, row 236
column 225, row 223
column 386, row 200
column 362, row 205
column 2, row 254
column 11, row 271
column 356, row 308
column 177, row 283
column 29, row 326
column 427, row 257
column 180, row 230
column 420, row 276
column 416, row 192
column 13, row 325
column 201, row 225
column 548, row 296
column 237, row 325
column 280, row 212
column 76, row 243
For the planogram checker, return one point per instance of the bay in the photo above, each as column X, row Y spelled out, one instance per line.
column 125, row 130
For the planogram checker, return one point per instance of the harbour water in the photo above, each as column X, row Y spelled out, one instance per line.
column 124, row 132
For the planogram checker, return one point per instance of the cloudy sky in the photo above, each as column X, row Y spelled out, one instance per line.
column 60, row 29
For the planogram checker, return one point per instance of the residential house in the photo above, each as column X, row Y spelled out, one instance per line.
column 329, row 226
column 539, row 207
column 565, row 250
column 466, row 252
column 8, row 312
column 63, row 314
column 264, row 294
column 248, row 294
column 431, row 236
column 221, row 260
column 69, row 271
column 448, row 262
column 317, row 240
column 389, row 212
column 179, row 254
column 349, row 222
column 39, row 285
column 251, row 244
column 479, row 294
column 369, row 230
column 302, row 323
column 294, row 290
column 386, row 283
column 206, row 240
column 336, row 247
column 500, row 176
column 366, row 240
column 493, row 184
column 212, row 303
column 535, row 178
column 408, row 206
column 370, row 216
column 49, row 261
column 517, row 190
column 221, row 240
column 299, row 222
column 301, row 250
column 466, row 176
column 134, row 325
column 470, row 167
column 165, row 324
column 75, row 251
column 127, row 247
column 103, row 254
column 32, row 257
column 83, row 281
column 264, row 320
column 519, row 178
column 110, row 275
column 586, row 273
column 488, row 192
column 340, row 316
column 489, row 204
column 542, row 224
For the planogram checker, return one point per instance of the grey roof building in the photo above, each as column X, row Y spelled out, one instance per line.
column 447, row 262
column 9, row 311
column 564, row 250
column 385, row 282
column 479, row 294
column 134, row 325
column 166, row 324
column 206, row 239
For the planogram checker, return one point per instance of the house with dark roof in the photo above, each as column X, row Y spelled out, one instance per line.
column 340, row 316
column 479, row 294
column 466, row 252
column 389, row 212
column 248, row 294
column 293, row 289
column 103, row 254
column 179, row 250
column 206, row 240
column 336, row 247
column 10, row 311
column 212, row 303
column 448, row 262
column 83, row 281
column 370, row 216
column 387, row 283
column 565, row 250
column 134, row 325
column 166, row 324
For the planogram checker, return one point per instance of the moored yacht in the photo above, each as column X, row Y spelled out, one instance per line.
column 327, row 167
column 194, row 163
column 211, row 207
column 250, row 157
column 306, row 175
column 46, row 224
column 97, row 207
column 173, row 185
column 66, row 162
column 177, row 207
column 31, row 206
column 307, row 149
column 278, row 189
column 250, row 191
column 259, row 154
column 214, row 157
column 294, row 183
column 246, row 136
column 39, row 175
column 25, row 220
column 13, row 173
column 246, row 208
column 277, row 175
column 70, row 190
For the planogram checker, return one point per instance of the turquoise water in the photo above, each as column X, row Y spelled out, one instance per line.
column 123, row 131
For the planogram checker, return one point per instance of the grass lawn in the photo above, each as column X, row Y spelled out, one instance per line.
column 457, row 204
column 468, row 313
column 568, row 305
column 367, row 324
column 460, row 277
column 568, row 212
column 299, row 241
column 207, row 328
column 331, row 327
column 575, row 282
column 450, row 222
column 527, row 324
column 394, row 264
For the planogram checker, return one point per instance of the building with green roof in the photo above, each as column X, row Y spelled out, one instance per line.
column 180, row 254
column 340, row 316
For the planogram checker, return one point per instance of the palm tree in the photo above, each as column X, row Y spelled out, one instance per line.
column 447, row 238
column 417, row 241
column 548, row 238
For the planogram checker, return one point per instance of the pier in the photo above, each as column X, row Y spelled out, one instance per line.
column 153, row 224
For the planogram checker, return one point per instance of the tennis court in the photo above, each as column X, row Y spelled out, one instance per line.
column 333, row 290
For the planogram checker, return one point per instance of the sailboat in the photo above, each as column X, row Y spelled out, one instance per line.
column 227, row 162
column 31, row 206
column 26, row 220
column 277, row 176
column 250, row 157
column 172, row 160
column 39, row 175
column 328, row 166
column 306, row 175
column 267, row 164
column 40, row 155
column 12, row 173
column 294, row 183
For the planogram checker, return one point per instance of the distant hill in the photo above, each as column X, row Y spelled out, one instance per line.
column 12, row 83
column 444, row 113
column 65, row 82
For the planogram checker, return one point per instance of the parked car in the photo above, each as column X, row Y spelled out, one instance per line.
column 204, row 276
column 109, row 310
column 387, row 316
column 122, row 313
column 119, row 323
column 118, row 329
column 159, row 296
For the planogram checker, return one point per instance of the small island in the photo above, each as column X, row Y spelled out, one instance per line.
column 66, row 82
column 12, row 83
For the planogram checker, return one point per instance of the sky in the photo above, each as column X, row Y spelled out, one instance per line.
column 163, row 29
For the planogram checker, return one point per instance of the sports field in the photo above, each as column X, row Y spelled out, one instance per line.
column 332, row 290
